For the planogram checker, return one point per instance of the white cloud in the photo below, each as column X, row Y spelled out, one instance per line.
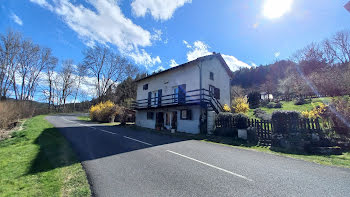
column 277, row 54
column 234, row 63
column 43, row 3
column 157, row 36
column 144, row 58
column 160, row 68
column 104, row 23
column 16, row 19
column 173, row 63
column 186, row 43
column 159, row 9
column 200, row 49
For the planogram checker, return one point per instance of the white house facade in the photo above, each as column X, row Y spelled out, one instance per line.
column 184, row 98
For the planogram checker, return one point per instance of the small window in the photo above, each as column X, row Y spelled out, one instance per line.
column 186, row 114
column 150, row 115
column 145, row 87
column 211, row 75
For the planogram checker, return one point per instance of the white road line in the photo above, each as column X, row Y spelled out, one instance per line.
column 235, row 174
column 107, row 131
column 137, row 140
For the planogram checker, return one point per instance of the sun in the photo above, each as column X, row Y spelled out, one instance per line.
column 276, row 8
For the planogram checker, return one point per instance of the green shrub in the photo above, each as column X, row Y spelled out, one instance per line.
column 301, row 101
column 240, row 121
column 274, row 105
column 261, row 114
column 278, row 105
column 225, row 120
column 285, row 121
column 251, row 135
column 254, row 100
column 270, row 105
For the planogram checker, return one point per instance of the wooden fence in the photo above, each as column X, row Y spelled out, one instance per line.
column 264, row 129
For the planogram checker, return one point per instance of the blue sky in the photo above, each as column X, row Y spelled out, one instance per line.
column 158, row 34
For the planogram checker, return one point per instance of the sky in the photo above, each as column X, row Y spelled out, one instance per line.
column 159, row 34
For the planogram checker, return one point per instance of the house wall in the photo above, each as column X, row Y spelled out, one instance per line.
column 188, row 126
column 221, row 79
column 188, row 75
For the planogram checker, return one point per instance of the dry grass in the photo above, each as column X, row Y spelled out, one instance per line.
column 13, row 111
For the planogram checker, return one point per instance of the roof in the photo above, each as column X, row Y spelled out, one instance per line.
column 216, row 55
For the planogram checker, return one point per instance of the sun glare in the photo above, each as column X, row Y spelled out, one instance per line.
column 276, row 8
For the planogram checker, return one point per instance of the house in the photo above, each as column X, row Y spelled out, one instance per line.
column 265, row 96
column 184, row 98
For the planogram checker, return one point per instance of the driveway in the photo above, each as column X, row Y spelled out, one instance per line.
column 124, row 162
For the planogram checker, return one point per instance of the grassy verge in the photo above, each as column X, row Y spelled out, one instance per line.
column 332, row 160
column 38, row 161
column 84, row 118
column 87, row 119
column 290, row 106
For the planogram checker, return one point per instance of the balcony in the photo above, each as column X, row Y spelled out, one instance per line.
column 194, row 97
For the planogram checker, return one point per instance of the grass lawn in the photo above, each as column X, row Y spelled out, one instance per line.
column 289, row 105
column 38, row 161
column 87, row 119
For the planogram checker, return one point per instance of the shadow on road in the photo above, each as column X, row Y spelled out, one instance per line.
column 90, row 144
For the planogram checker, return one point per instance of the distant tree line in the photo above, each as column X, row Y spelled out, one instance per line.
column 27, row 69
column 319, row 68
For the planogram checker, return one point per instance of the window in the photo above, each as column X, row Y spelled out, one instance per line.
column 217, row 93
column 211, row 76
column 214, row 92
column 145, row 87
column 211, row 90
column 175, row 94
column 155, row 97
column 186, row 114
column 149, row 115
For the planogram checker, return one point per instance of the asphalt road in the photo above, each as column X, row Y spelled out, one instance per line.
column 124, row 162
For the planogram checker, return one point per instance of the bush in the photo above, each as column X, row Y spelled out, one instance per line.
column 240, row 121
column 301, row 101
column 251, row 135
column 285, row 121
column 11, row 111
column 225, row 119
column 254, row 99
column 270, row 105
column 103, row 112
column 341, row 117
column 227, row 108
column 316, row 112
column 261, row 114
column 274, row 105
column 240, row 105
column 278, row 105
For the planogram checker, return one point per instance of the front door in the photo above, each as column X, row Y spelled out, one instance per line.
column 174, row 120
column 159, row 120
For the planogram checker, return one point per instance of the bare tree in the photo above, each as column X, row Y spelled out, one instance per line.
column 341, row 40
column 80, row 74
column 9, row 48
column 67, row 80
column 107, row 67
column 50, row 76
